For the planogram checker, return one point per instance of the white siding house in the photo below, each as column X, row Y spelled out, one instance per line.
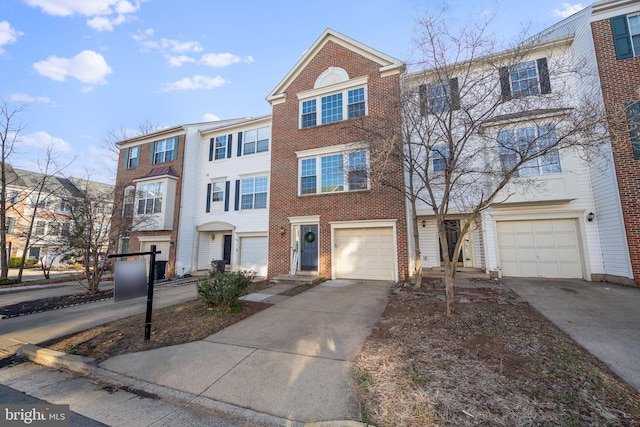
column 231, row 215
column 560, row 217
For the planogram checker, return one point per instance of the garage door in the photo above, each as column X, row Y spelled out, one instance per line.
column 253, row 254
column 365, row 253
column 540, row 248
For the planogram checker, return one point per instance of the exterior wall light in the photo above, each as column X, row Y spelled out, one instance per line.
column 424, row 223
column 282, row 231
column 591, row 216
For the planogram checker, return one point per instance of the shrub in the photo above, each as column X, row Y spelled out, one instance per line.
column 222, row 290
column 14, row 262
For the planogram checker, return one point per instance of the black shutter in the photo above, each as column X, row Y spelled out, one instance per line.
column 237, row 204
column 126, row 158
column 505, row 84
column 227, row 187
column 422, row 99
column 229, row 144
column 621, row 37
column 633, row 120
column 212, row 145
column 454, row 93
column 239, row 144
column 543, row 73
column 208, row 198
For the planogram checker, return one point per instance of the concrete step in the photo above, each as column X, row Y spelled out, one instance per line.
column 298, row 279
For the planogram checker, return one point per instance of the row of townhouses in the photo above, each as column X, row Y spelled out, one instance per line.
column 291, row 191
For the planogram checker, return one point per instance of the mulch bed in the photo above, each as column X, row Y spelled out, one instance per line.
column 53, row 303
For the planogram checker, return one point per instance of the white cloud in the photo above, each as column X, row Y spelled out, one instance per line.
column 8, row 35
column 177, row 61
column 195, row 83
column 42, row 140
column 208, row 117
column 222, row 59
column 87, row 67
column 567, row 9
column 145, row 38
column 103, row 14
column 23, row 97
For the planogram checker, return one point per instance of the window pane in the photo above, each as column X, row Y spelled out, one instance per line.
column 261, row 200
column 524, row 79
column 247, row 201
column 263, row 146
column 309, row 113
column 217, row 192
column 332, row 173
column 249, row 148
column 250, row 135
column 356, row 103
column 308, row 176
column 332, row 108
column 221, row 147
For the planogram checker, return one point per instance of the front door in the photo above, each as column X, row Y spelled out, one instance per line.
column 309, row 247
column 227, row 249
column 452, row 228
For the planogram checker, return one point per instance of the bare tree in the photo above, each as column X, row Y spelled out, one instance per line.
column 10, row 128
column 89, row 229
column 474, row 119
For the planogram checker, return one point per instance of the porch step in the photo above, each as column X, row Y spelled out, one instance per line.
column 298, row 279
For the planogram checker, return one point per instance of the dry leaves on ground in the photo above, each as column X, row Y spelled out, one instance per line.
column 497, row 362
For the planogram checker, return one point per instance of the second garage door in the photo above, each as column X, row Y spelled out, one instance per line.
column 365, row 253
column 540, row 248
column 253, row 254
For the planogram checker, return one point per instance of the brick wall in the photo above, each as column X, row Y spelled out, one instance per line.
column 125, row 178
column 377, row 203
column 620, row 81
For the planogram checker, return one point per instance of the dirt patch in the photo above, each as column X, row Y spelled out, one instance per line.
column 496, row 362
column 178, row 324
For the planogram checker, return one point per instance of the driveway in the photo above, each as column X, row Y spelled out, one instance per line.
column 602, row 317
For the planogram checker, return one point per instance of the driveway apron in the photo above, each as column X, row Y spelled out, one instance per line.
column 601, row 317
column 292, row 360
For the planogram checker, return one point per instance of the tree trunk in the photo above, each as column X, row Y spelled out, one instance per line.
column 449, row 281
column 416, row 239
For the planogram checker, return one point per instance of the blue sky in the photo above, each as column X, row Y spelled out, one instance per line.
column 83, row 67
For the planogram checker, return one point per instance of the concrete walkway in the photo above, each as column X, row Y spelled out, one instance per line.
column 291, row 361
column 603, row 318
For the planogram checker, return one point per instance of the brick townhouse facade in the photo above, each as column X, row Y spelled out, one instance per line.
column 616, row 35
column 326, row 215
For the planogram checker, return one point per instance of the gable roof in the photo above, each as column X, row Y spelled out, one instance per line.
column 388, row 64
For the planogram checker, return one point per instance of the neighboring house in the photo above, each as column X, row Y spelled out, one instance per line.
column 616, row 34
column 562, row 221
column 47, row 201
column 233, row 175
column 155, row 195
column 326, row 216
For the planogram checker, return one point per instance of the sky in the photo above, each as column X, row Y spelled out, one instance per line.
column 85, row 68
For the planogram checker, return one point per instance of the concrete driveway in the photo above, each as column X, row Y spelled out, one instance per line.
column 602, row 317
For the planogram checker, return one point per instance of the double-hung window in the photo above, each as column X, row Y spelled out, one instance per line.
column 220, row 147
column 150, row 198
column 39, row 231
column 133, row 157
column 164, row 151
column 439, row 154
column 531, row 143
column 254, row 193
column 256, row 140
column 217, row 191
column 525, row 79
column 11, row 225
column 439, row 97
column 325, row 108
column 128, row 201
column 338, row 172
column 65, row 206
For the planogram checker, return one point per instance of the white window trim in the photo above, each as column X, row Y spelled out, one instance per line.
column 319, row 153
column 213, row 183
column 342, row 87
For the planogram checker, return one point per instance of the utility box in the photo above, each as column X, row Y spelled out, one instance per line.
column 160, row 270
column 219, row 265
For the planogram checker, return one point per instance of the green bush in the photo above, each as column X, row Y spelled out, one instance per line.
column 222, row 290
column 14, row 262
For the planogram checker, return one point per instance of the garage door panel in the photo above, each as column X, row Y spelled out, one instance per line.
column 254, row 254
column 364, row 253
column 539, row 248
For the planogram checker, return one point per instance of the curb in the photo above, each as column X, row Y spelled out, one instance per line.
column 57, row 359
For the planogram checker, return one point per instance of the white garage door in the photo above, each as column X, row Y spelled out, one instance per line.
column 365, row 253
column 540, row 248
column 253, row 254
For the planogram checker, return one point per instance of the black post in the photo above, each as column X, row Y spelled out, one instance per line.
column 152, row 273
